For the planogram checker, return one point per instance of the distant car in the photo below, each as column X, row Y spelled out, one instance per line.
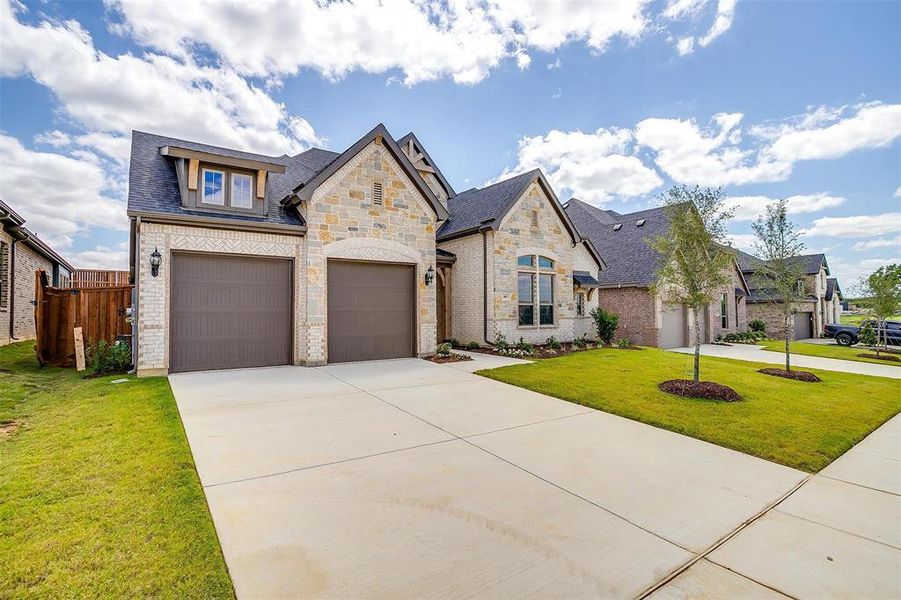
column 847, row 335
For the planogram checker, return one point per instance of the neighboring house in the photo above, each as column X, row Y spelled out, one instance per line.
column 821, row 304
column 632, row 266
column 21, row 254
column 328, row 257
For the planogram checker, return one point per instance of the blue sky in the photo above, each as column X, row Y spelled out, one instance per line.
column 614, row 101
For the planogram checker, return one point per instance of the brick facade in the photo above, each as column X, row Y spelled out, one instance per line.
column 27, row 261
column 467, row 291
column 638, row 313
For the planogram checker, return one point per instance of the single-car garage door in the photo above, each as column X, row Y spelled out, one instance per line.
column 371, row 311
column 803, row 325
column 672, row 331
column 229, row 312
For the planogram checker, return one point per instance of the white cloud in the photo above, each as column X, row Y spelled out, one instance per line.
column 748, row 208
column 60, row 197
column 678, row 9
column 593, row 166
column 725, row 13
column 554, row 65
column 857, row 226
column 722, row 22
column 743, row 241
column 831, row 133
column 878, row 243
column 898, row 192
column 685, row 45
column 850, row 274
column 101, row 257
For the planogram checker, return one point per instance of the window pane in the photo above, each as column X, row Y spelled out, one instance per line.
column 546, row 314
column 525, row 261
column 526, row 314
column 241, row 191
column 580, row 304
column 213, row 192
column 545, row 263
column 545, row 288
column 525, row 287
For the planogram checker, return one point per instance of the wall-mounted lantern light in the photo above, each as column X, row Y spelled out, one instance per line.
column 429, row 276
column 156, row 259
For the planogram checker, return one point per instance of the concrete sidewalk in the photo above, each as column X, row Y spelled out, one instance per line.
column 753, row 353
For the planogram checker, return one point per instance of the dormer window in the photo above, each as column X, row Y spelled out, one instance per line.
column 226, row 188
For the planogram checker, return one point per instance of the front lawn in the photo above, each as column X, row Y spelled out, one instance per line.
column 801, row 425
column 827, row 351
column 99, row 493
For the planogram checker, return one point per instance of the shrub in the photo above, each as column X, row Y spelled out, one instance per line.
column 624, row 343
column 757, row 325
column 443, row 349
column 524, row 346
column 454, row 342
column 473, row 346
column 552, row 343
column 605, row 323
column 500, row 341
column 104, row 357
column 867, row 335
column 581, row 342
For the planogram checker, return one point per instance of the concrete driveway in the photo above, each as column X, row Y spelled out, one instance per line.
column 403, row 479
column 754, row 353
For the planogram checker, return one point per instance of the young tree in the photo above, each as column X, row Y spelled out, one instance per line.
column 694, row 259
column 883, row 286
column 778, row 245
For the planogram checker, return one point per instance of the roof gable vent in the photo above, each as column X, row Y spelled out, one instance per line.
column 617, row 227
column 640, row 222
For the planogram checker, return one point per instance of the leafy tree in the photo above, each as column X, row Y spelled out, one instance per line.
column 883, row 286
column 694, row 259
column 605, row 323
column 778, row 244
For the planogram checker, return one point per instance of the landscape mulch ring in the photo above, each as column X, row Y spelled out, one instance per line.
column 707, row 390
column 449, row 358
column 796, row 375
column 886, row 357
column 540, row 351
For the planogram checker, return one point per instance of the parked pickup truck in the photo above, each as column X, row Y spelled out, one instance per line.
column 847, row 335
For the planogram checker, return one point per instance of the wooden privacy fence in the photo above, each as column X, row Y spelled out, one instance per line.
column 99, row 311
column 84, row 278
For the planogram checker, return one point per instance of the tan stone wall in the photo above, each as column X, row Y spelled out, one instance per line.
column 467, row 288
column 736, row 316
column 516, row 237
column 583, row 261
column 153, row 292
column 771, row 314
column 344, row 222
column 637, row 310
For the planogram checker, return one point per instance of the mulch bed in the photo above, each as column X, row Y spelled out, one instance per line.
column 796, row 375
column 701, row 389
column 541, row 351
column 452, row 358
column 887, row 357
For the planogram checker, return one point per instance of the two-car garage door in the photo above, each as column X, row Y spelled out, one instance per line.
column 229, row 312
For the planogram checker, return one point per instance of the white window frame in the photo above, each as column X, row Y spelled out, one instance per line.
column 232, row 177
column 203, row 196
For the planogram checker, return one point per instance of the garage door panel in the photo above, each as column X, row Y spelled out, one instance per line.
column 673, row 326
column 230, row 312
column 370, row 311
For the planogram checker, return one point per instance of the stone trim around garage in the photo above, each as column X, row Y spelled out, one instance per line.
column 154, row 292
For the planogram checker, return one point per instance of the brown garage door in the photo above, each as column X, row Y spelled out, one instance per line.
column 803, row 325
column 370, row 311
column 229, row 312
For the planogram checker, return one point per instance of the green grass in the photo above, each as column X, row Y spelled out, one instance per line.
column 801, row 425
column 830, row 351
column 849, row 319
column 98, row 492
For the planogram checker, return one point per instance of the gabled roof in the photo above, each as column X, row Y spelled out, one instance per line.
column 480, row 208
column 14, row 224
column 418, row 147
column 622, row 242
column 304, row 190
column 808, row 264
column 153, row 184
column 832, row 288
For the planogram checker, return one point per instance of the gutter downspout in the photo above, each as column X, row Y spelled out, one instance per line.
column 12, row 286
column 485, row 286
column 136, row 246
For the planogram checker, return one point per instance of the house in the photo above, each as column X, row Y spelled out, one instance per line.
column 21, row 254
column 624, row 286
column 244, row 260
column 820, row 306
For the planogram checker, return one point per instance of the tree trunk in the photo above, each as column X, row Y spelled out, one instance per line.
column 697, row 332
column 788, row 335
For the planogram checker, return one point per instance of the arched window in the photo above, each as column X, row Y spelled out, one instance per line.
column 535, row 290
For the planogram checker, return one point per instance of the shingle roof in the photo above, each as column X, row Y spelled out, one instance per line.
column 584, row 279
column 153, row 184
column 832, row 287
column 604, row 216
column 630, row 260
column 748, row 263
column 809, row 264
column 469, row 209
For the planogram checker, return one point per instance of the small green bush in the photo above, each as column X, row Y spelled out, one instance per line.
column 103, row 357
column 454, row 342
column 500, row 341
column 624, row 343
column 525, row 347
column 757, row 325
column 552, row 343
column 581, row 342
column 443, row 349
column 473, row 346
column 867, row 335
column 605, row 323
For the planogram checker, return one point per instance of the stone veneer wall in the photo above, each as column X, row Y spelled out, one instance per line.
column 516, row 237
column 153, row 292
column 343, row 222
column 27, row 261
column 637, row 310
column 583, row 261
column 771, row 314
column 467, row 291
